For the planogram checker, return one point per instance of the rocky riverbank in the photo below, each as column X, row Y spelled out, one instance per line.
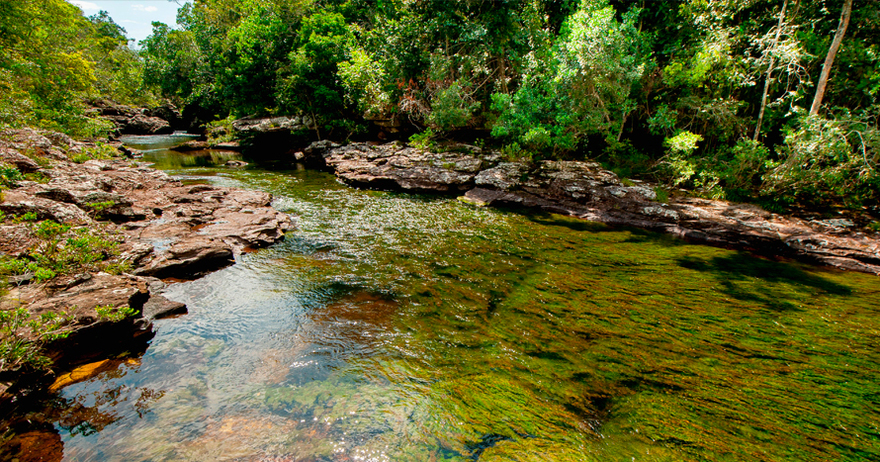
column 121, row 228
column 586, row 190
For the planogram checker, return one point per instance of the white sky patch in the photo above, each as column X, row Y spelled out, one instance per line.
column 135, row 16
column 85, row 6
column 148, row 9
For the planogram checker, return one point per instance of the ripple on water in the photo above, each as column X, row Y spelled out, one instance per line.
column 399, row 327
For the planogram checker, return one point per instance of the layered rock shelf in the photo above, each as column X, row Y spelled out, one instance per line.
column 163, row 229
column 586, row 190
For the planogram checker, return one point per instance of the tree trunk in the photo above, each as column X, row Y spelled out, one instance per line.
column 829, row 59
column 770, row 71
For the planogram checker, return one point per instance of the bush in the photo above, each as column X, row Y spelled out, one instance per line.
column 97, row 152
column 109, row 313
column 9, row 176
column 424, row 140
column 828, row 161
column 16, row 351
column 452, row 107
column 61, row 251
column 220, row 131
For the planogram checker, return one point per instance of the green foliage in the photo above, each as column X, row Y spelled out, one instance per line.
column 513, row 152
column 452, row 107
column 114, row 314
column 26, row 217
column 626, row 160
column 97, row 209
column 662, row 194
column 97, row 152
column 305, row 86
column 119, row 267
column 828, row 160
column 733, row 173
column 60, row 250
column 424, row 140
column 220, row 131
column 22, row 338
column 585, row 88
column 364, row 82
column 683, row 143
column 9, row 176
column 555, row 79
column 37, row 177
column 52, row 58
column 679, row 163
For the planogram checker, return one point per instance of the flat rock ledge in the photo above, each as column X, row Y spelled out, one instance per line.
column 164, row 229
column 587, row 191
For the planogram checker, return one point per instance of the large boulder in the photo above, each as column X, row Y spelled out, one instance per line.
column 163, row 228
column 588, row 191
column 265, row 125
column 136, row 121
column 396, row 166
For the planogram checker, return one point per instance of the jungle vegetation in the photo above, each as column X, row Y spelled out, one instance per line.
column 774, row 101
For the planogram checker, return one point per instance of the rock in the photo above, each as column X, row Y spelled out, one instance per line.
column 228, row 146
column 586, row 190
column 236, row 163
column 140, row 124
column 21, row 162
column 158, row 307
column 189, row 259
column 59, row 139
column 135, row 121
column 16, row 240
column 504, row 176
column 395, row 166
column 192, row 145
column 81, row 374
column 169, row 113
column 39, row 444
column 166, row 229
column 265, row 125
column 17, row 202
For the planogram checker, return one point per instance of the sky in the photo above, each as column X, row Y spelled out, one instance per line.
column 133, row 15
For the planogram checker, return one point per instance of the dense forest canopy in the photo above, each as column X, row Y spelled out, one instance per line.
column 712, row 95
column 52, row 59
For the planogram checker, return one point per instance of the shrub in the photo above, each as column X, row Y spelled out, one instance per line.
column 61, row 251
column 424, row 140
column 9, row 176
column 220, row 131
column 828, row 161
column 16, row 351
column 452, row 107
column 112, row 314
column 97, row 152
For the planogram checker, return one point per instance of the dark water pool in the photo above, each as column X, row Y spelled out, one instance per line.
column 396, row 327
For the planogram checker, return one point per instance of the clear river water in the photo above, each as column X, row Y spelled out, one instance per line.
column 399, row 327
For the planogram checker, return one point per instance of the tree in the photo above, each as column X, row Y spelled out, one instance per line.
column 770, row 68
column 832, row 53
column 582, row 86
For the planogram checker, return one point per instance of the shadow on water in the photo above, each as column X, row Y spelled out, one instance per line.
column 738, row 272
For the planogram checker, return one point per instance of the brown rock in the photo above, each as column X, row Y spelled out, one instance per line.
column 21, row 162
column 393, row 166
column 191, row 230
column 42, row 445
column 192, row 145
column 16, row 202
column 586, row 190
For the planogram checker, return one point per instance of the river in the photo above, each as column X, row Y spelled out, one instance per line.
column 399, row 327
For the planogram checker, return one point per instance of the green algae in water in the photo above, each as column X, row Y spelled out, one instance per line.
column 399, row 327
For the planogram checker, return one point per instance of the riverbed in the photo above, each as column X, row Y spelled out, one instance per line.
column 399, row 327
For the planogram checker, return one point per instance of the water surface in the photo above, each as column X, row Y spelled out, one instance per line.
column 399, row 327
